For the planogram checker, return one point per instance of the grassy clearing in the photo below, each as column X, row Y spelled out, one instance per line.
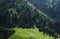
column 21, row 33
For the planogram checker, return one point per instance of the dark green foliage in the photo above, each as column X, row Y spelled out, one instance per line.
column 19, row 14
column 5, row 33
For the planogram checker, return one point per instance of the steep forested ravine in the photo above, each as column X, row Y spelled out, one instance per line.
column 22, row 14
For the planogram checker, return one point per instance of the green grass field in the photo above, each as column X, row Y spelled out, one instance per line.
column 23, row 33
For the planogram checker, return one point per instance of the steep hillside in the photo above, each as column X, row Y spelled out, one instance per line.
column 22, row 14
column 12, row 11
column 50, row 7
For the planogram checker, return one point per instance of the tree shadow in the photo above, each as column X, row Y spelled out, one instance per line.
column 5, row 33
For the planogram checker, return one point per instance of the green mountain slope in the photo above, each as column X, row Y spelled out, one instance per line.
column 22, row 14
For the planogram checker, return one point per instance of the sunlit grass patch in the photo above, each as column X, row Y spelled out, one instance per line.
column 21, row 33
